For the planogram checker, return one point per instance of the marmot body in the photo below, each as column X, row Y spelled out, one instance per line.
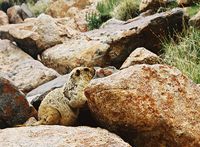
column 61, row 106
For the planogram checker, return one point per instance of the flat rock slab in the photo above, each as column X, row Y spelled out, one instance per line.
column 59, row 136
column 25, row 72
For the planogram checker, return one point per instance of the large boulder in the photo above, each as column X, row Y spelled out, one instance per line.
column 35, row 35
column 154, row 105
column 124, row 37
column 57, row 136
column 113, row 42
column 25, row 72
column 65, row 57
column 15, row 108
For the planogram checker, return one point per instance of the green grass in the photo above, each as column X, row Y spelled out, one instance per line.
column 106, row 9
column 193, row 9
column 37, row 8
column 185, row 55
column 94, row 20
column 126, row 9
column 19, row 2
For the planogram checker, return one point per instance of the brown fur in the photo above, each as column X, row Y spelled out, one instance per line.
column 61, row 106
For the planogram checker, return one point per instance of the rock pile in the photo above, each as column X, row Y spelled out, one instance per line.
column 133, row 94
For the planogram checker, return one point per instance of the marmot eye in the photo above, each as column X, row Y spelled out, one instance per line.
column 78, row 72
column 86, row 69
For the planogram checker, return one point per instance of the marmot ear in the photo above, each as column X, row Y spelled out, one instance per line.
column 77, row 73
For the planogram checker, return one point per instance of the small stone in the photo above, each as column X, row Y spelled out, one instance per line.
column 104, row 72
column 141, row 56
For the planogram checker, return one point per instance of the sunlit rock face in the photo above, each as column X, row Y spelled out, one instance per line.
column 155, row 103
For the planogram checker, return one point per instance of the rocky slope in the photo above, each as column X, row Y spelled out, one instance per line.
column 134, row 93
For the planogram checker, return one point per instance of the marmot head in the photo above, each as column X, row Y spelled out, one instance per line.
column 82, row 73
column 78, row 80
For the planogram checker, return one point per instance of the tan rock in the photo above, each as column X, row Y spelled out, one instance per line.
column 195, row 20
column 65, row 57
column 3, row 18
column 14, row 14
column 79, row 18
column 151, row 4
column 49, row 31
column 21, row 69
column 35, row 35
column 57, row 136
column 81, row 4
column 155, row 104
column 17, row 14
column 76, row 10
column 70, row 25
column 59, row 8
column 186, row 2
column 141, row 56
column 72, row 12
